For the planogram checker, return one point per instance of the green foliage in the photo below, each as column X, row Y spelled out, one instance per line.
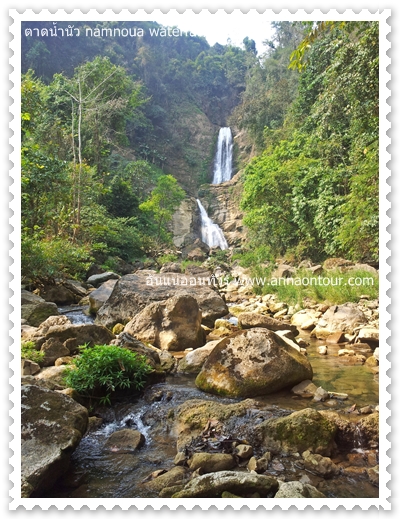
column 333, row 287
column 101, row 370
column 313, row 192
column 254, row 256
column 167, row 258
column 29, row 351
column 163, row 202
column 45, row 259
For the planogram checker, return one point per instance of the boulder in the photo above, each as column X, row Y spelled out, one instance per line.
column 53, row 377
column 196, row 255
column 98, row 297
column 97, row 279
column 133, row 292
column 52, row 426
column 253, row 320
column 244, row 451
column 320, row 465
column 296, row 489
column 28, row 367
column 300, row 431
column 35, row 309
column 305, row 319
column 90, row 334
column 238, row 483
column 168, row 479
column 335, row 338
column 343, row 318
column 211, row 462
column 66, row 292
column 252, row 362
column 54, row 320
column 194, row 360
column 290, row 342
column 125, row 441
column 125, row 340
column 369, row 429
column 305, row 389
column 53, row 349
column 171, row 267
column 194, row 416
column 368, row 334
column 172, row 325
column 259, row 465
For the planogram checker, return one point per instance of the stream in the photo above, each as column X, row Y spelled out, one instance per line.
column 98, row 473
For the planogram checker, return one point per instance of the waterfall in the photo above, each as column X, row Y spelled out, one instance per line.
column 223, row 157
column 211, row 233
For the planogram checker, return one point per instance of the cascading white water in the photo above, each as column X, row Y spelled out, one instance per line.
column 223, row 157
column 211, row 233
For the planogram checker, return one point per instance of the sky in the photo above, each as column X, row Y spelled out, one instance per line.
column 234, row 26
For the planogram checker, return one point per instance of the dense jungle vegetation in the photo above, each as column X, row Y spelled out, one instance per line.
column 117, row 131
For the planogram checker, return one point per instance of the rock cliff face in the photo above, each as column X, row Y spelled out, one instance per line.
column 185, row 222
column 221, row 202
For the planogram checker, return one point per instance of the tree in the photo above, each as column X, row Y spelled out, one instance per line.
column 102, row 97
column 163, row 202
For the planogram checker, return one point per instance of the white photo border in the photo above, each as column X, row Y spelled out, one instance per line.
column 156, row 503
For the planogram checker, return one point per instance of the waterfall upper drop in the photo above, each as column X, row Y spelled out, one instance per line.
column 223, row 157
column 211, row 233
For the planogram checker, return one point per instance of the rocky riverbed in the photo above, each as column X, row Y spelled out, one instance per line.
column 249, row 398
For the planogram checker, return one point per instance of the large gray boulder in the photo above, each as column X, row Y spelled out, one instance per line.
column 251, row 363
column 173, row 325
column 194, row 360
column 133, row 292
column 253, row 320
column 97, row 279
column 98, row 297
column 34, row 309
column 339, row 318
column 238, row 483
column 75, row 334
column 52, row 426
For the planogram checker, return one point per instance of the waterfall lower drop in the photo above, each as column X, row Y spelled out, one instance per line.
column 223, row 157
column 211, row 233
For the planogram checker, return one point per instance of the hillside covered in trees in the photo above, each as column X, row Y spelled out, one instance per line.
column 116, row 132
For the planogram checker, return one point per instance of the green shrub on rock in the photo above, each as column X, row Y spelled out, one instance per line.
column 29, row 351
column 101, row 370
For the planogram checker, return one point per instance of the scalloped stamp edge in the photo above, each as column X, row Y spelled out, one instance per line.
column 383, row 502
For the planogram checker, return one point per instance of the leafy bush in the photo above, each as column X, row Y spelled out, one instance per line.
column 46, row 259
column 167, row 258
column 29, row 351
column 101, row 370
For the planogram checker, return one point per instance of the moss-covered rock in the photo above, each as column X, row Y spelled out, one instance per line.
column 252, row 362
column 211, row 462
column 193, row 416
column 175, row 476
column 298, row 432
column 237, row 483
column 295, row 489
column 369, row 429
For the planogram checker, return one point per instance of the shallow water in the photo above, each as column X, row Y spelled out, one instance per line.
column 76, row 314
column 95, row 472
